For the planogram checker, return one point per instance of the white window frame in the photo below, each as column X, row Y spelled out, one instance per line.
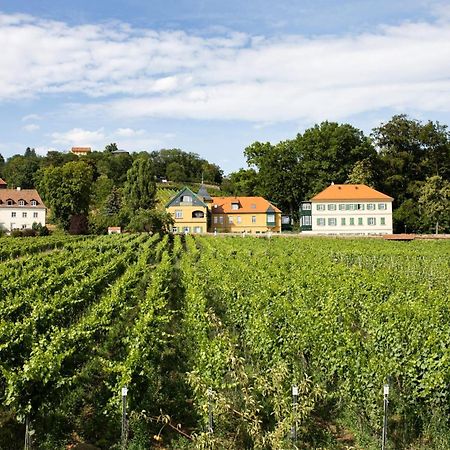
column 382, row 206
column 253, row 219
column 13, row 214
column 216, row 219
column 371, row 206
column 234, row 206
column 307, row 221
column 35, row 215
column 332, row 221
column 371, row 221
column 270, row 218
column 230, row 219
column 321, row 222
column 331, row 207
column 306, row 206
column 21, row 202
column 382, row 220
column 239, row 219
column 320, row 207
column 24, row 215
column 178, row 214
column 33, row 203
column 221, row 219
column 186, row 198
column 343, row 224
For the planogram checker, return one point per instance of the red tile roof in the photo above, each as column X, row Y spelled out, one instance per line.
column 350, row 192
column 15, row 195
column 81, row 149
column 246, row 205
column 3, row 182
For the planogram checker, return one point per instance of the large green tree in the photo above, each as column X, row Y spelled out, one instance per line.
column 410, row 152
column 140, row 187
column 294, row 170
column 435, row 201
column 67, row 191
column 20, row 171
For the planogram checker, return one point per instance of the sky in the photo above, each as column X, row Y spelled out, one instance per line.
column 212, row 77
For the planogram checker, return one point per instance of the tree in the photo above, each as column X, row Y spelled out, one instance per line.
column 175, row 172
column 140, row 187
column 111, row 148
column 20, row 171
column 362, row 173
column 2, row 164
column 113, row 202
column 67, row 191
column 243, row 182
column 151, row 221
column 435, row 200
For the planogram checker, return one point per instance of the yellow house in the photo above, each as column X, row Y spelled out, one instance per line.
column 244, row 214
column 198, row 213
column 189, row 212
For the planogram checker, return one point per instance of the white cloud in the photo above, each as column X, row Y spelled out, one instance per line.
column 31, row 127
column 79, row 137
column 128, row 132
column 129, row 72
column 31, row 117
column 125, row 138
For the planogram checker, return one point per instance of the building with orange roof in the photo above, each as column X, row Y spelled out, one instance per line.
column 199, row 213
column 80, row 151
column 347, row 209
column 20, row 208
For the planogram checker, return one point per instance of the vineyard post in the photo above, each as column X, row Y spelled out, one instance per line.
column 385, row 410
column 294, row 411
column 124, row 418
column 210, row 411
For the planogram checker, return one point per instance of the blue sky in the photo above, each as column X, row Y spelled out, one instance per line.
column 212, row 77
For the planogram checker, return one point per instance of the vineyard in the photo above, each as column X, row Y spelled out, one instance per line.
column 210, row 334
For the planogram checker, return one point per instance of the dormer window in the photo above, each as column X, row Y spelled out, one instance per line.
column 33, row 203
column 9, row 202
column 186, row 199
column 235, row 206
column 253, row 206
column 21, row 202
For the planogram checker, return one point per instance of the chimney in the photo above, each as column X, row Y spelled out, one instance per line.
column 18, row 188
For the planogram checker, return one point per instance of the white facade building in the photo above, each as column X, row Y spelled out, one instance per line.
column 20, row 208
column 347, row 209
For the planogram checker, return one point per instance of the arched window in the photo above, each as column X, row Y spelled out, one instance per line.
column 198, row 214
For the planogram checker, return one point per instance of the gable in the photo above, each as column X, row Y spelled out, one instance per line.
column 178, row 199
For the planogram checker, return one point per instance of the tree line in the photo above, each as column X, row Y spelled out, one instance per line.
column 105, row 188
column 404, row 158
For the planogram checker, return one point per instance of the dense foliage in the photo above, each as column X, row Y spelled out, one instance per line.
column 227, row 326
column 399, row 158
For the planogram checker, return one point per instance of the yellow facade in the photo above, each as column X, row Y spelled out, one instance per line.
column 244, row 222
column 185, row 220
column 201, row 213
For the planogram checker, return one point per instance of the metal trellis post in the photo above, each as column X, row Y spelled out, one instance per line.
column 385, row 411
column 124, row 418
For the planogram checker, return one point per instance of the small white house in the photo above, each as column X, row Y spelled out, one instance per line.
column 347, row 209
column 20, row 208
